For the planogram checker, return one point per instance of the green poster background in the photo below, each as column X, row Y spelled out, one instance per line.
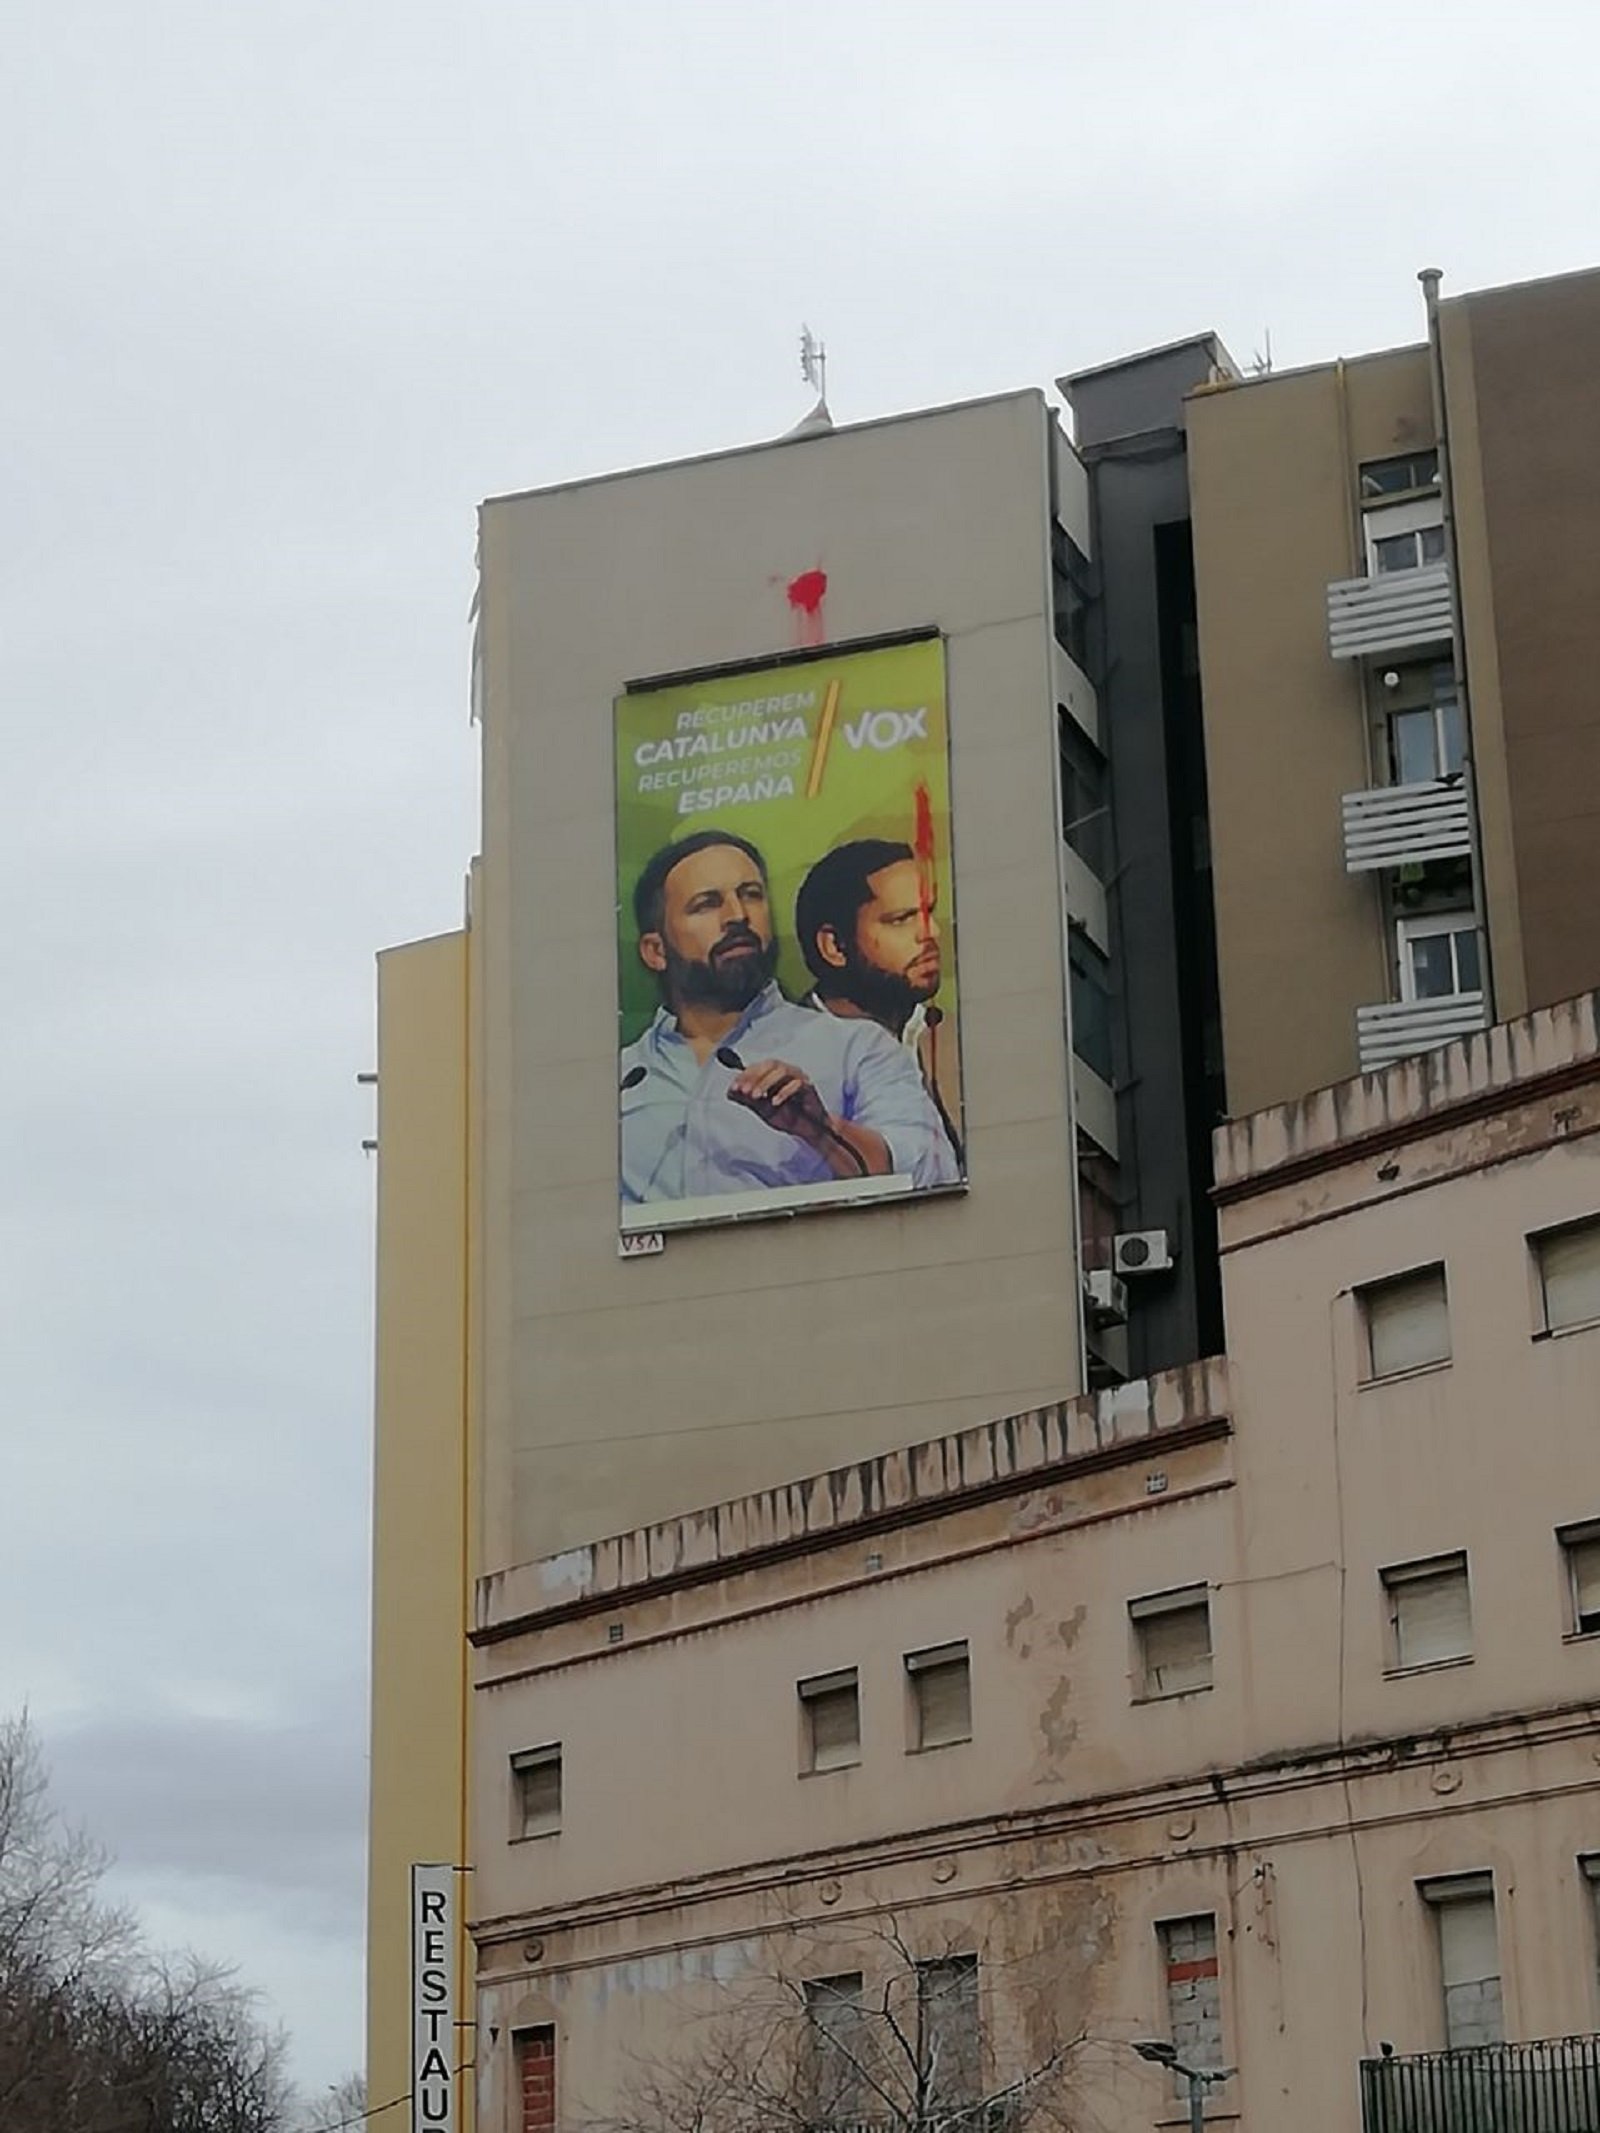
column 740, row 752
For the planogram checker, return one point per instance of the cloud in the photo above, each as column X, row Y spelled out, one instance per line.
column 269, row 1812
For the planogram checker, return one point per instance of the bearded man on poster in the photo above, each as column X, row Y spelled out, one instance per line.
column 734, row 1089
column 868, row 929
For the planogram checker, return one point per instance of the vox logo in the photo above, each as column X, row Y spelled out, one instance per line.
column 884, row 730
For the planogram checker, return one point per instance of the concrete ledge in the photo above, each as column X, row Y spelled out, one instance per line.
column 1410, row 1098
column 994, row 1459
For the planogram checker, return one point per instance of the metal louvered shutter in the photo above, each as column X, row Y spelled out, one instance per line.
column 941, row 1687
column 1569, row 1271
column 1432, row 1613
column 832, row 1706
column 1408, row 1323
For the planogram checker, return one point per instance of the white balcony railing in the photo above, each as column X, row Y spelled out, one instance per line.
column 1396, row 612
column 1398, row 1029
column 1402, row 825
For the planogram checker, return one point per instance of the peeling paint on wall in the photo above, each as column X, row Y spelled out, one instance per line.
column 1017, row 1619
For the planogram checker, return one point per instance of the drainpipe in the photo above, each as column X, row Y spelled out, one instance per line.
column 1430, row 278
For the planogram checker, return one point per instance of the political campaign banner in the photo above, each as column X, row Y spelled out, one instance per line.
column 787, row 973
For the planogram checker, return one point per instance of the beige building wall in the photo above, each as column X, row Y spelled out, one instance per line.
column 738, row 1358
column 1300, row 1798
column 1521, row 366
column 1497, row 829
column 1299, row 941
column 420, row 1541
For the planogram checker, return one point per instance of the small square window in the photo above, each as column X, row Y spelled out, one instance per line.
column 1403, row 535
column 1437, row 956
column 1580, row 1553
column 536, row 1791
column 941, row 1696
column 1395, row 551
column 1172, row 1639
column 1406, row 1322
column 1568, row 1263
column 830, row 1710
column 1430, row 1612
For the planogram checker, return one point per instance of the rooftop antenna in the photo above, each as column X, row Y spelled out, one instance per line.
column 814, row 363
column 1261, row 361
column 814, row 369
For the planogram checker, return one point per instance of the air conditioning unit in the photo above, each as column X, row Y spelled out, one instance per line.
column 1106, row 1298
column 1142, row 1251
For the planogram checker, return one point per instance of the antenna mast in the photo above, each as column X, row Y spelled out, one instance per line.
column 814, row 362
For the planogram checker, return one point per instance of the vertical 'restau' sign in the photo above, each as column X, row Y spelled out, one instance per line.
column 433, row 1999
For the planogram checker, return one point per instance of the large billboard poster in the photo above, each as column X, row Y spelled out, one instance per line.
column 788, row 988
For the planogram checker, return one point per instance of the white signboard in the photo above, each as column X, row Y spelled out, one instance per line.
column 433, row 1999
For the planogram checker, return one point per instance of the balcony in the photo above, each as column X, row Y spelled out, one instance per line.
column 1398, row 611
column 1398, row 1029
column 1402, row 825
column 1552, row 2087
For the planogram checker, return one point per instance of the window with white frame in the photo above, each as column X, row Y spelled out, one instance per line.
column 1424, row 731
column 1405, row 1322
column 536, row 1791
column 1438, row 956
column 1172, row 1642
column 1400, row 476
column 940, row 1681
column 1580, row 1557
column 830, row 1715
column 1402, row 537
column 1414, row 549
column 1567, row 1261
column 1469, row 1958
column 1430, row 1612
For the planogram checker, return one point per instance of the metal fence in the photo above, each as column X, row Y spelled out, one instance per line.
column 1551, row 2087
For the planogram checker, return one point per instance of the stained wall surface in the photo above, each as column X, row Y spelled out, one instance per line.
column 1303, row 1796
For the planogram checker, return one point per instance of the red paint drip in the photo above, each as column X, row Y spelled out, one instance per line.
column 923, row 845
column 806, row 594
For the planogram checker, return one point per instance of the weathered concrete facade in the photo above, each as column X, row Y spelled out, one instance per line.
column 1314, row 1792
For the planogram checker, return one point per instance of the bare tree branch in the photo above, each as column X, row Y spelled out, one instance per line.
column 96, row 2034
column 861, row 2030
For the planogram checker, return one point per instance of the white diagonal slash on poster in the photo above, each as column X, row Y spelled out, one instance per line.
column 433, row 1999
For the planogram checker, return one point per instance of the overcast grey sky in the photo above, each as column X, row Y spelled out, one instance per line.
column 290, row 286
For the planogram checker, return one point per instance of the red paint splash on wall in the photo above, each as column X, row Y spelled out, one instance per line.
column 806, row 594
column 923, row 844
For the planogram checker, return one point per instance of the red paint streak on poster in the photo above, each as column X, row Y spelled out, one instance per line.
column 806, row 594
column 923, row 845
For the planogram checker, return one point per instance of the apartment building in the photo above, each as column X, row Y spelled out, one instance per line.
column 604, row 1296
column 1247, row 1713
column 1392, row 560
column 1133, row 735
